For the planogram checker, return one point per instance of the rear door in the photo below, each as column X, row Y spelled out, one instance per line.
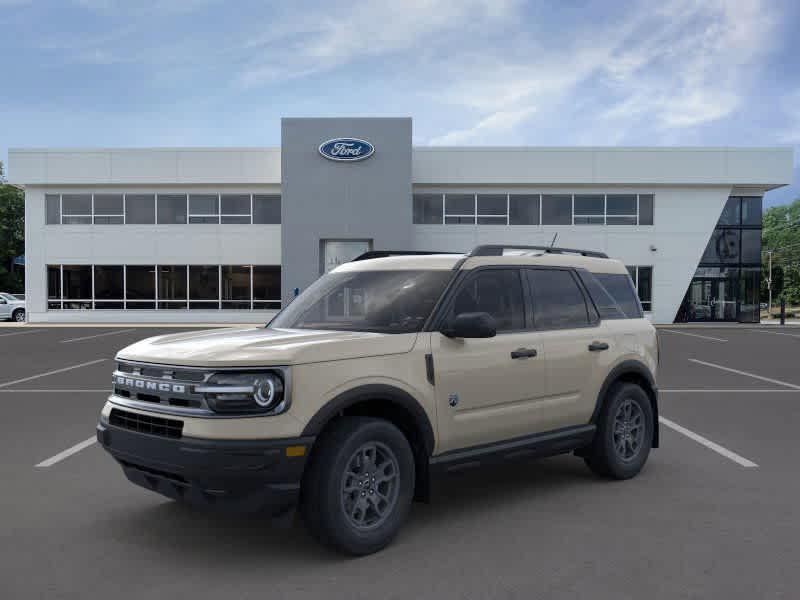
column 577, row 345
column 489, row 389
column 5, row 308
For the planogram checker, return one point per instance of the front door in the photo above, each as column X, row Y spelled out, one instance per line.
column 489, row 389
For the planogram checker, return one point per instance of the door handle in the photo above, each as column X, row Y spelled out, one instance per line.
column 597, row 346
column 523, row 353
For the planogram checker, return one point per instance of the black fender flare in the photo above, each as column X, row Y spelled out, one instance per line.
column 382, row 392
column 639, row 369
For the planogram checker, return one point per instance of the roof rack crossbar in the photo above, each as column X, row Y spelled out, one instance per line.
column 385, row 253
column 497, row 250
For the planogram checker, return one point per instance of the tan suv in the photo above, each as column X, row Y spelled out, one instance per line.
column 384, row 372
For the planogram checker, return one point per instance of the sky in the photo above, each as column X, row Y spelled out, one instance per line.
column 107, row 73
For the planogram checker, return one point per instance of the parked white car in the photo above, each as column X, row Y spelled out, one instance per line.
column 12, row 308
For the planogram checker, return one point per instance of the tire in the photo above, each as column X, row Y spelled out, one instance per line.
column 338, row 509
column 18, row 315
column 624, row 433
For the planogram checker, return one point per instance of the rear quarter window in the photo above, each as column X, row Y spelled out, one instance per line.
column 620, row 288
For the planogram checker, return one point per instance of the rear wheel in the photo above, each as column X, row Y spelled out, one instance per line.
column 359, row 486
column 624, row 433
column 19, row 315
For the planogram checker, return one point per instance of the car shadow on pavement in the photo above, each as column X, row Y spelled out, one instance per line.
column 172, row 529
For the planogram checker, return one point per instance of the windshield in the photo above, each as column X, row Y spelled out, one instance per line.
column 377, row 301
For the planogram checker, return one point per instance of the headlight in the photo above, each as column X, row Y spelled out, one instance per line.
column 245, row 393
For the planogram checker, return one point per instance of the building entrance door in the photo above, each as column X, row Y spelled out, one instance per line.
column 711, row 300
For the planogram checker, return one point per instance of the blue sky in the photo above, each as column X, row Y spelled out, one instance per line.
column 90, row 73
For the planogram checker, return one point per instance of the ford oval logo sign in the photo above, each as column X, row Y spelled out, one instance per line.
column 344, row 149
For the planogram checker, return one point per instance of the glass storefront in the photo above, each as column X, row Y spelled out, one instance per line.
column 726, row 284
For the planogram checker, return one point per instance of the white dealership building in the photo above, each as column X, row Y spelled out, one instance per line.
column 228, row 234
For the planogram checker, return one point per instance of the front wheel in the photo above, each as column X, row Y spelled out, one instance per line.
column 19, row 315
column 624, row 433
column 359, row 486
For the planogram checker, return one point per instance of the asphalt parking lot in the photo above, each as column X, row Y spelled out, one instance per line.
column 713, row 515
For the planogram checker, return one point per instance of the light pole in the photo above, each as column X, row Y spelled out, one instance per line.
column 769, row 285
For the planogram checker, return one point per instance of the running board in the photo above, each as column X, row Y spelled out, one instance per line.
column 539, row 445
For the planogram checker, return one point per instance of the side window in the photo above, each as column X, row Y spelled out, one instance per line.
column 558, row 301
column 497, row 292
column 621, row 289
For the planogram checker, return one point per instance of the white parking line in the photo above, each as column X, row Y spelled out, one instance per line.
column 794, row 335
column 24, row 379
column 90, row 337
column 746, row 374
column 740, row 460
column 697, row 335
column 22, row 332
column 707, row 391
column 80, row 391
column 67, row 453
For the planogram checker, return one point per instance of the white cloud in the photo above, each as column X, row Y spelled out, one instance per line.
column 498, row 122
column 680, row 65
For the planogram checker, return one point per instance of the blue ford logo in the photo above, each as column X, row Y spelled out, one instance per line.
column 346, row 149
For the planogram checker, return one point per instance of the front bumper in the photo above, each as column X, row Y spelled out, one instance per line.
column 243, row 476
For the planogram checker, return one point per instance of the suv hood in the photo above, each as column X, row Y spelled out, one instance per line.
column 258, row 347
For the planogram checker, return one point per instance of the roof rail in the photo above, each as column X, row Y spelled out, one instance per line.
column 385, row 253
column 497, row 250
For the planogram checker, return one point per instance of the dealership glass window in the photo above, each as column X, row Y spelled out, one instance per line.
column 76, row 209
column 235, row 209
column 53, row 209
column 76, row 281
column 751, row 211
column 556, row 209
column 171, row 209
column 266, row 287
column 137, row 283
column 646, row 209
column 140, row 286
column 642, row 278
column 750, row 295
column 140, row 209
column 266, row 209
column 109, row 286
column 109, row 209
column 428, row 209
column 203, row 208
column 492, row 209
column 589, row 209
column 236, row 287
column 751, row 246
column 723, row 247
column 459, row 209
column 731, row 212
column 523, row 209
column 53, row 287
column 621, row 209
column 172, row 286
column 203, row 286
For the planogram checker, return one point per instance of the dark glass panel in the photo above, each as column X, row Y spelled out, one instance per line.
column 492, row 204
column 108, row 282
column 172, row 282
column 750, row 295
column 266, row 282
column 140, row 282
column 621, row 204
column 266, row 209
column 524, row 209
column 557, row 209
column 140, row 209
column 203, row 282
column 236, row 283
column 751, row 246
column 53, row 208
column 589, row 204
column 558, row 302
column 731, row 213
column 751, row 211
column 171, row 209
column 723, row 247
column 459, row 204
column 54, row 282
column 77, row 282
column 646, row 209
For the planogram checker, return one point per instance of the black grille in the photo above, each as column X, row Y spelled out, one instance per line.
column 170, row 428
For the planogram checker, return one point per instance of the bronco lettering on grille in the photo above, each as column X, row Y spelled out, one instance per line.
column 155, row 386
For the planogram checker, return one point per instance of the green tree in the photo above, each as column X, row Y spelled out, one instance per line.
column 12, row 235
column 781, row 235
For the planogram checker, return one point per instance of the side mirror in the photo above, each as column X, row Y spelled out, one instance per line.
column 471, row 325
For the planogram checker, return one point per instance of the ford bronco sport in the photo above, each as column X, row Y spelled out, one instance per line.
column 384, row 372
